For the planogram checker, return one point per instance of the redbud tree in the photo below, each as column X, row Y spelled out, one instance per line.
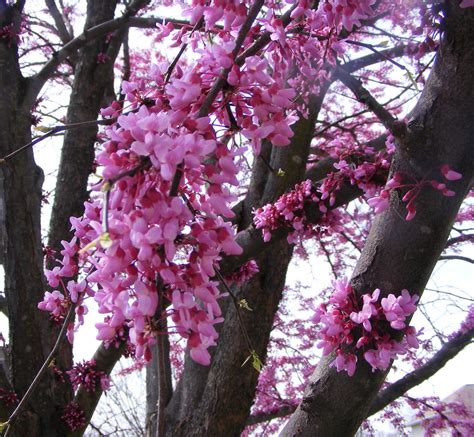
column 206, row 145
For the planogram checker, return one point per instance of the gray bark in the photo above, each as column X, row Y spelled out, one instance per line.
column 401, row 254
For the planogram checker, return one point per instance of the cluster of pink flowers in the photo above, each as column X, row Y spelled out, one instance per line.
column 73, row 416
column 438, row 416
column 288, row 212
column 347, row 13
column 381, row 202
column 155, row 225
column 87, row 375
column 348, row 326
column 243, row 274
column 233, row 13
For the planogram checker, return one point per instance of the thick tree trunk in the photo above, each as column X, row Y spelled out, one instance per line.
column 401, row 254
column 92, row 81
column 23, row 260
column 202, row 404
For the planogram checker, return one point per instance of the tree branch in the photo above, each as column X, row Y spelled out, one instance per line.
column 363, row 96
column 373, row 58
column 105, row 359
column 36, row 82
column 458, row 257
column 460, row 239
column 448, row 351
column 59, row 21
column 152, row 22
column 41, row 372
column 251, row 239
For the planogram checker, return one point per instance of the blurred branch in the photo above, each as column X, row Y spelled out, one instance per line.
column 59, row 21
column 41, row 372
column 283, row 411
column 458, row 257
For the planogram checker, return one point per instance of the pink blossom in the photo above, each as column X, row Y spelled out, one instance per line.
column 381, row 202
column 449, row 174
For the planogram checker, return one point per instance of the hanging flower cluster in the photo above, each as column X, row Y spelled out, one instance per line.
column 348, row 326
column 347, row 13
column 155, row 227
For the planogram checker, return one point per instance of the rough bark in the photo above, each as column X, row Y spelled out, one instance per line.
column 440, row 132
column 200, row 404
column 21, row 183
column 77, row 155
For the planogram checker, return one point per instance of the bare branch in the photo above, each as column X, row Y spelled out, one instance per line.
column 458, row 257
column 59, row 21
column 41, row 372
column 368, row 60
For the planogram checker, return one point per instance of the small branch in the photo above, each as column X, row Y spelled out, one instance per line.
column 59, row 21
column 363, row 95
column 171, row 67
column 461, row 239
column 41, row 372
column 378, row 56
column 381, row 54
column 55, row 130
column 152, row 22
column 263, row 40
column 221, row 80
column 448, row 351
column 458, row 257
column 439, row 412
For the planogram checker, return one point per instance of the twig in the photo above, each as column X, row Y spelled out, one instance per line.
column 363, row 95
column 235, row 301
column 56, row 130
column 181, row 51
column 458, row 257
column 41, row 372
